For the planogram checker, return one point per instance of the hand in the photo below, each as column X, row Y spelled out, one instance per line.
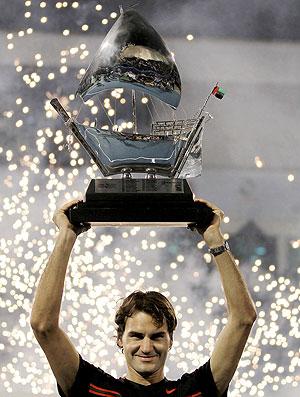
column 62, row 221
column 212, row 235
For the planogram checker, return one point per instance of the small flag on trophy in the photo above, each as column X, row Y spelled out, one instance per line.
column 218, row 92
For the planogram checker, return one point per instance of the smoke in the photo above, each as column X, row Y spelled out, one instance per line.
column 267, row 20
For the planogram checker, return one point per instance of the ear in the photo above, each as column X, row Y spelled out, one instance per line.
column 119, row 343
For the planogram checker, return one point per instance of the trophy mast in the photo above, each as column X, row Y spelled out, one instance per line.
column 134, row 111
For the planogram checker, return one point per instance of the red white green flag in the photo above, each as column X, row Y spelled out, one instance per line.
column 218, row 92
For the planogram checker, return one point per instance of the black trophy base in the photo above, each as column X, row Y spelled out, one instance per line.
column 140, row 202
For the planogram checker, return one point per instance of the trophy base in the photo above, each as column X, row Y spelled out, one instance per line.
column 141, row 202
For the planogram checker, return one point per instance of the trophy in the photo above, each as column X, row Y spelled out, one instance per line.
column 133, row 58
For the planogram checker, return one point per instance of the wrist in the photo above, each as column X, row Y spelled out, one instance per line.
column 216, row 244
column 215, row 241
column 67, row 233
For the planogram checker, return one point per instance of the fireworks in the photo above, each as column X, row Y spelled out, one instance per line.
column 38, row 174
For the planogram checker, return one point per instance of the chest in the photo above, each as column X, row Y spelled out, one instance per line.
column 146, row 391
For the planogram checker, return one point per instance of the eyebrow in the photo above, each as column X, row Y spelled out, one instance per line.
column 141, row 335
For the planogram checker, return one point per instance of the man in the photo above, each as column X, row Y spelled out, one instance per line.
column 146, row 322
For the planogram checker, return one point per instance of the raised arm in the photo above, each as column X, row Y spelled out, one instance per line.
column 61, row 354
column 241, row 309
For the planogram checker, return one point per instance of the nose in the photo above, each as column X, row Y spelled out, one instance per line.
column 146, row 346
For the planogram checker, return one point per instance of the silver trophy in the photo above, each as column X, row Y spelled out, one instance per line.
column 134, row 59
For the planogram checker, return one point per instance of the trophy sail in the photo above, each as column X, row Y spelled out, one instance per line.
column 133, row 55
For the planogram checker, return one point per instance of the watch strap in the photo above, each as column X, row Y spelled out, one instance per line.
column 219, row 250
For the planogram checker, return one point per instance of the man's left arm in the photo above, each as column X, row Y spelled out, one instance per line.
column 241, row 310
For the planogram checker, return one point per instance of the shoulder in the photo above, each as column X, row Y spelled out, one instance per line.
column 200, row 382
column 93, row 380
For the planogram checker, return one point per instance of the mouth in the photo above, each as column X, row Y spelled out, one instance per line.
column 146, row 358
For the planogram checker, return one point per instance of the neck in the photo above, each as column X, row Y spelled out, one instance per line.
column 144, row 379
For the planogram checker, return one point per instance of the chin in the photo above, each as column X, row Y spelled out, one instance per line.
column 145, row 374
column 146, row 370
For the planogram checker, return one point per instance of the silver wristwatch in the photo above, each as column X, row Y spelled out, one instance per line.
column 219, row 250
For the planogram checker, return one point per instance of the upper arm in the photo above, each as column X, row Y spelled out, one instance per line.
column 61, row 355
column 227, row 353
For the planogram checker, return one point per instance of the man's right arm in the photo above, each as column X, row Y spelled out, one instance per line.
column 60, row 352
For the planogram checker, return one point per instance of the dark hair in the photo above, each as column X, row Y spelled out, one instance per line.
column 150, row 302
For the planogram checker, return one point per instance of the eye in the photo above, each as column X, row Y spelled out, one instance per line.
column 157, row 337
column 136, row 336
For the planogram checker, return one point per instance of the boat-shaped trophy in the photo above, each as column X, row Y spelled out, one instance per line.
column 144, row 160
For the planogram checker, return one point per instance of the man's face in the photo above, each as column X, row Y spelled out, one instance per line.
column 145, row 348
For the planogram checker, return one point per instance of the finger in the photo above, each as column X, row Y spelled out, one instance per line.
column 192, row 226
column 219, row 213
column 84, row 224
column 208, row 203
column 87, row 227
column 69, row 204
column 84, row 227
